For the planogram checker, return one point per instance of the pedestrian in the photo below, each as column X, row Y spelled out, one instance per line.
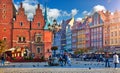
column 50, row 60
column 68, row 60
column 2, row 60
column 65, row 58
column 107, row 64
column 61, row 61
column 115, row 59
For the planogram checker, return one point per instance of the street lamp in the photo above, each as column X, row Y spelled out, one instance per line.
column 54, row 28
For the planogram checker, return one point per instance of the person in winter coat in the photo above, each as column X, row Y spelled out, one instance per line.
column 115, row 59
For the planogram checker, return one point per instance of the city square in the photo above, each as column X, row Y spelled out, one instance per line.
column 59, row 36
column 77, row 67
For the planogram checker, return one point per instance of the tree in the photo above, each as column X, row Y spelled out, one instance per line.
column 54, row 48
column 3, row 46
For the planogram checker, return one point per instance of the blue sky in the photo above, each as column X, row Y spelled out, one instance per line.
column 64, row 9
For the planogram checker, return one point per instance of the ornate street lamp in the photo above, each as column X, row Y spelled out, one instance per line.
column 54, row 28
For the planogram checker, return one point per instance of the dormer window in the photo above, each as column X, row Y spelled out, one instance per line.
column 21, row 23
column 38, row 24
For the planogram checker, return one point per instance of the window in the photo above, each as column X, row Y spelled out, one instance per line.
column 4, row 5
column 4, row 29
column 38, row 50
column 115, row 41
column 38, row 24
column 3, row 16
column 115, row 33
column 4, row 38
column 119, row 33
column 111, row 41
column 38, row 39
column 4, row 11
column 111, row 33
column 21, row 23
column 21, row 39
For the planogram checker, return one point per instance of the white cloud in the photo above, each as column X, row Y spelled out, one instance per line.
column 53, row 13
column 31, row 5
column 85, row 13
column 65, row 13
column 99, row 8
column 79, row 19
column 74, row 12
column 31, row 1
column 16, row 6
column 95, row 9
column 29, row 10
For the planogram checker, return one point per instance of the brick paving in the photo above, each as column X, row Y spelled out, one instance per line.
column 59, row 70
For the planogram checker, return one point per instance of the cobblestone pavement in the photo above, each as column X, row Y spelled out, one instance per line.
column 58, row 70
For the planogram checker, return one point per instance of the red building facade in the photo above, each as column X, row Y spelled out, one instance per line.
column 21, row 34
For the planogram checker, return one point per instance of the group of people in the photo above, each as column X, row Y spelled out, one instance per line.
column 62, row 60
column 65, row 59
column 115, row 60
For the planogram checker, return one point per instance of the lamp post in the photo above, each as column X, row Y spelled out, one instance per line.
column 32, row 48
column 54, row 28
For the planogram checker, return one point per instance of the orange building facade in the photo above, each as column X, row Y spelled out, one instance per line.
column 24, row 35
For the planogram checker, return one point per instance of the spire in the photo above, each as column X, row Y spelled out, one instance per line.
column 38, row 6
column 71, row 22
column 45, row 14
column 46, row 19
column 21, row 4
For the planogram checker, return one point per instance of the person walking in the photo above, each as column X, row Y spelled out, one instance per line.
column 107, row 64
column 115, row 59
column 61, row 61
column 65, row 58
column 2, row 60
column 68, row 60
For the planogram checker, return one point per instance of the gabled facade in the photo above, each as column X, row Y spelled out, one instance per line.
column 81, row 36
column 88, row 20
column 37, row 33
column 74, row 35
column 68, row 38
column 96, row 30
